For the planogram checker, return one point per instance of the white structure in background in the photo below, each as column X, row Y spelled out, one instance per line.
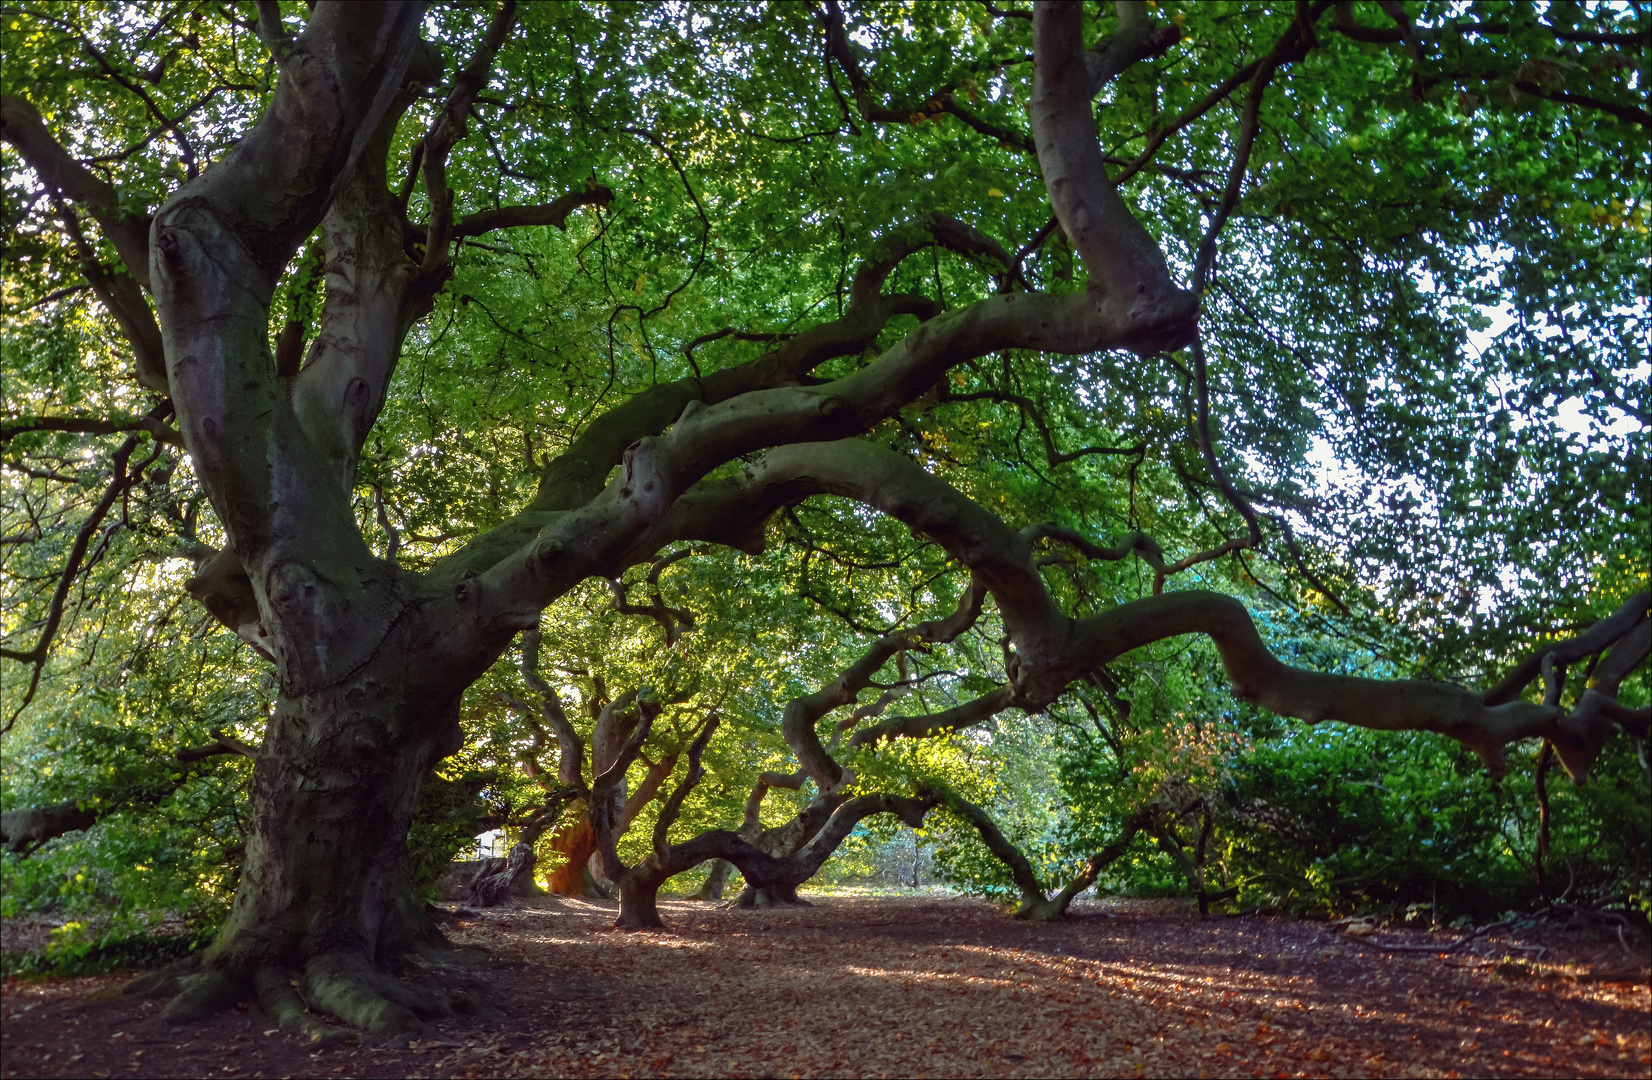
column 491, row 844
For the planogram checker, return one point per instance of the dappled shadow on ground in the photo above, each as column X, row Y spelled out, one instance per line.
column 923, row 986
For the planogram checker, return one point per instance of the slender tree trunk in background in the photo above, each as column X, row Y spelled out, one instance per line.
column 717, row 881
column 581, row 875
column 524, row 884
column 1545, row 761
column 600, row 883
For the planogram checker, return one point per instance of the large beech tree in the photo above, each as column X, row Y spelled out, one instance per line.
column 1230, row 231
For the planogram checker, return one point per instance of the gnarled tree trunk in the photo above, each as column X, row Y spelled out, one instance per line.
column 497, row 878
column 370, row 660
column 321, row 893
column 576, row 842
column 768, row 876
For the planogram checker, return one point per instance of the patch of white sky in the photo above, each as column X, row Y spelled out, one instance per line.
column 1483, row 327
column 1591, row 429
column 1569, row 414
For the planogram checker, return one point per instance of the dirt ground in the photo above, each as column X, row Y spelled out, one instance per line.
column 927, row 986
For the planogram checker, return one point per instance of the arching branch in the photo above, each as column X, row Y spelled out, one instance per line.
column 762, row 871
column 1581, row 734
column 930, row 725
column 447, row 129
column 1137, row 38
column 272, row 32
column 674, row 802
column 1201, row 399
column 25, row 829
column 122, row 295
column 1296, row 38
column 1600, row 636
column 943, row 101
column 1034, row 904
column 554, row 213
column 86, row 425
column 22, row 127
column 802, row 713
column 1127, row 271
column 571, row 760
column 121, row 479
column 672, row 620
column 751, row 821
column 1053, row 651
column 1135, row 542
column 577, row 476
column 718, row 335
column 1031, row 411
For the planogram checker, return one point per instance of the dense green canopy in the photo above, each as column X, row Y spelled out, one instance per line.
column 1411, row 439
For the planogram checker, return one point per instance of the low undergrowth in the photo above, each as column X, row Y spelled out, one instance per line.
column 76, row 949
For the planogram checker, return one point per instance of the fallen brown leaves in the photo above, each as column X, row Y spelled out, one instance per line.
column 926, row 987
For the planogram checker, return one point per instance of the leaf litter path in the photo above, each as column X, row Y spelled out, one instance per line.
column 936, row 986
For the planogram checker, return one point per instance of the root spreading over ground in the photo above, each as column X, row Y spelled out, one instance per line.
column 926, row 986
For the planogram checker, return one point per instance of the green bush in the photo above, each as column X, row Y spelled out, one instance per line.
column 75, row 950
column 1332, row 820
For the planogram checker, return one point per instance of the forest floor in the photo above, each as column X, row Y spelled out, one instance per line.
column 928, row 986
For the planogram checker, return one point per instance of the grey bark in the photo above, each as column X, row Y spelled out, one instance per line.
column 25, row 829
column 496, row 879
column 716, row 881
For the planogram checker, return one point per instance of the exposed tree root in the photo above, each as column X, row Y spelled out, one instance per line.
column 273, row 988
column 769, row 896
column 441, row 982
column 204, row 994
column 352, row 989
column 1441, row 950
column 453, row 975
column 164, row 981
